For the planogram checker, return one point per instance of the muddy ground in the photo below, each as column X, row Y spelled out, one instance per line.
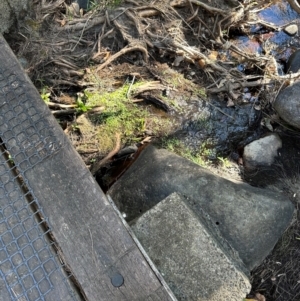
column 122, row 74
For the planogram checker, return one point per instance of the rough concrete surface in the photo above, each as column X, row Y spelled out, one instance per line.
column 249, row 218
column 191, row 261
column 10, row 12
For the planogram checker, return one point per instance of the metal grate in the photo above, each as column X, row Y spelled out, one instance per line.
column 23, row 128
column 29, row 265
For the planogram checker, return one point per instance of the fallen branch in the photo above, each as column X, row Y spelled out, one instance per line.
column 64, row 112
column 82, row 26
column 60, row 105
column 232, row 86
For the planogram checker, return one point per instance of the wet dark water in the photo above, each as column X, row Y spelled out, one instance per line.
column 279, row 14
column 263, row 39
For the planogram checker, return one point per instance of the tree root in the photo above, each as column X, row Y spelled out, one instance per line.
column 96, row 166
column 122, row 52
column 138, row 26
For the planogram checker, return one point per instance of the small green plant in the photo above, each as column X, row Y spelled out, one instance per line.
column 10, row 159
column 225, row 162
column 202, row 93
column 45, row 94
column 82, row 107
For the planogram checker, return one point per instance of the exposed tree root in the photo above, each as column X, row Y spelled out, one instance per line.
column 122, row 52
column 96, row 166
column 135, row 27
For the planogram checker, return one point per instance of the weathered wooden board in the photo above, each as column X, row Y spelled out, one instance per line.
column 92, row 237
column 95, row 244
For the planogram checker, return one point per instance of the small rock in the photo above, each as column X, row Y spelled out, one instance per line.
column 291, row 29
column 293, row 64
column 262, row 152
column 287, row 103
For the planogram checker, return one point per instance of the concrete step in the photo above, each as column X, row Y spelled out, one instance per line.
column 194, row 259
column 249, row 218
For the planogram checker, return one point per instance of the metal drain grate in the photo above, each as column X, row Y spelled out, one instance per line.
column 29, row 266
column 23, row 128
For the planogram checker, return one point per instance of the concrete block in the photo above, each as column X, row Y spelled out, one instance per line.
column 189, row 257
column 251, row 219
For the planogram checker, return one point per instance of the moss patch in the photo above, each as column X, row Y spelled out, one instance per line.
column 117, row 114
column 176, row 146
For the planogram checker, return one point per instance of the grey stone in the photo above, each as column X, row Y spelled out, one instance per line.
column 190, row 259
column 293, row 63
column 291, row 29
column 11, row 11
column 262, row 159
column 249, row 218
column 287, row 104
column 262, row 152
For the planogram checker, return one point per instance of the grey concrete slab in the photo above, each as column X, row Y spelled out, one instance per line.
column 251, row 219
column 190, row 259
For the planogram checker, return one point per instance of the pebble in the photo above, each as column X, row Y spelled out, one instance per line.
column 291, row 29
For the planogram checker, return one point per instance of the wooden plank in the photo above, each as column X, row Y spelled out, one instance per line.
column 30, row 268
column 94, row 243
column 91, row 235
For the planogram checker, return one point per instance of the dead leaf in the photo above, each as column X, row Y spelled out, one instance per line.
column 61, row 22
column 230, row 103
column 222, row 83
column 234, row 95
column 202, row 63
column 213, row 55
column 258, row 297
column 146, row 140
